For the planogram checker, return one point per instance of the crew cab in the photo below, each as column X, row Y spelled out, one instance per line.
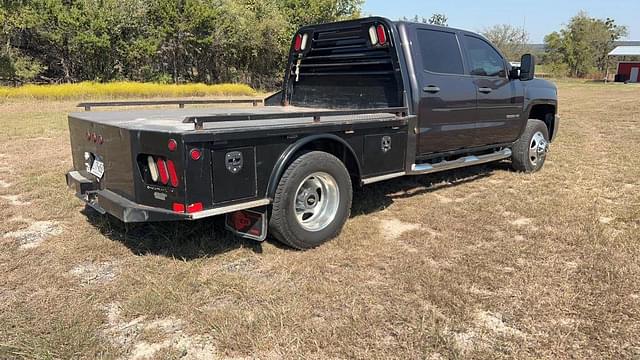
column 363, row 101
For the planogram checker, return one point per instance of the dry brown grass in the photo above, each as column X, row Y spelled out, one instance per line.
column 481, row 263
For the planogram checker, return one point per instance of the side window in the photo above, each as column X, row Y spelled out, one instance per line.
column 440, row 52
column 484, row 60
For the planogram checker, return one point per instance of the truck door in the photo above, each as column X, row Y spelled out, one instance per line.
column 447, row 107
column 500, row 100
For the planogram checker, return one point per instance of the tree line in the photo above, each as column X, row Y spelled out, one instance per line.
column 579, row 49
column 213, row 41
column 208, row 41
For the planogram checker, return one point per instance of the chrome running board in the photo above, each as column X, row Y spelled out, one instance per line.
column 420, row 169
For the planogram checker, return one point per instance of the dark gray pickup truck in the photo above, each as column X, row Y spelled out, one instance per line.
column 363, row 101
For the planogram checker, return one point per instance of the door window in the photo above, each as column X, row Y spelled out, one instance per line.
column 440, row 52
column 484, row 60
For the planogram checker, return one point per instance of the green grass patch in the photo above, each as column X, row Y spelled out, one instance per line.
column 92, row 90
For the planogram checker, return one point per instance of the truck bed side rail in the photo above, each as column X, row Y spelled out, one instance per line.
column 181, row 103
column 199, row 121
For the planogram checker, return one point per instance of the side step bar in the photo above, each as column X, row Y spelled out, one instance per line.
column 420, row 169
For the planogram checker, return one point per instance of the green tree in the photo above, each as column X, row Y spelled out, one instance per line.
column 15, row 65
column 511, row 40
column 435, row 19
column 156, row 40
column 438, row 19
column 583, row 44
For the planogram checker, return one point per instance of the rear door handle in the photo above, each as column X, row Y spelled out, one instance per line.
column 485, row 90
column 431, row 89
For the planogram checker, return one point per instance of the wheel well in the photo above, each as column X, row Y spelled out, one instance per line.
column 546, row 113
column 335, row 148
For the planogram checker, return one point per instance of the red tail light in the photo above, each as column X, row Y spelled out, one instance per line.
column 172, row 145
column 382, row 35
column 298, row 43
column 179, row 208
column 196, row 154
column 173, row 176
column 194, row 208
column 162, row 169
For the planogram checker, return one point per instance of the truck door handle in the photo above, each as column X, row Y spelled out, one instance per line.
column 431, row 89
column 485, row 90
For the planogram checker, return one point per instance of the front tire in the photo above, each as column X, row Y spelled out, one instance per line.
column 312, row 201
column 530, row 151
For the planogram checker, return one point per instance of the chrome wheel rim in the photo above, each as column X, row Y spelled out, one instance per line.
column 316, row 201
column 538, row 148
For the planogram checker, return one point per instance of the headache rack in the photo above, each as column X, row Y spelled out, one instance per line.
column 345, row 50
column 344, row 68
column 317, row 115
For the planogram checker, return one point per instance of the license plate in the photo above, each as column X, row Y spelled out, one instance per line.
column 97, row 168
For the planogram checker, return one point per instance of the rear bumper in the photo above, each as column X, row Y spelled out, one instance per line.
column 106, row 201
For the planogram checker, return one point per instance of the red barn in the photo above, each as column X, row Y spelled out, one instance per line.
column 627, row 70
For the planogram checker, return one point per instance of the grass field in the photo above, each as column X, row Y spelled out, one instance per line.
column 482, row 263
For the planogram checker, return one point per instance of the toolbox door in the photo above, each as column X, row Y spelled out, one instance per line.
column 234, row 174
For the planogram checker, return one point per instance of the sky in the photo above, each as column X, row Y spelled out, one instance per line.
column 539, row 17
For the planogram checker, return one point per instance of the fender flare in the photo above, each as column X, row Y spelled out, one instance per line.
column 291, row 150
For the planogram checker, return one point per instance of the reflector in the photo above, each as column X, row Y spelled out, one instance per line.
column 153, row 169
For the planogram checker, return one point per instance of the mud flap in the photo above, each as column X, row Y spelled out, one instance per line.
column 249, row 224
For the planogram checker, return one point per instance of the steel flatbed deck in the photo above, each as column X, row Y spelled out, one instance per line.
column 203, row 121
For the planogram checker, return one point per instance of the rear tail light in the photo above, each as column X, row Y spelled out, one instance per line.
column 298, row 43
column 190, row 209
column 382, row 35
column 159, row 170
column 153, row 169
column 305, row 40
column 195, row 154
column 172, row 145
column 378, row 35
column 164, row 174
column 373, row 35
column 194, row 208
column 173, row 176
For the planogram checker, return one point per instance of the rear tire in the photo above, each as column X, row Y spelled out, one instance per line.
column 530, row 151
column 312, row 201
